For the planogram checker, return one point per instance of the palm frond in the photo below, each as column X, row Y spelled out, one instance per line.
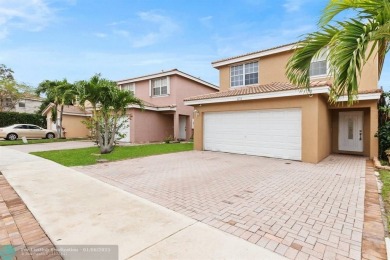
column 298, row 66
column 347, row 57
column 366, row 9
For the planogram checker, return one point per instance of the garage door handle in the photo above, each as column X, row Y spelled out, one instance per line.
column 360, row 135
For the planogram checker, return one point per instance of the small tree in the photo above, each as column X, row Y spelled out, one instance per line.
column 11, row 92
column 383, row 133
column 61, row 93
column 108, row 104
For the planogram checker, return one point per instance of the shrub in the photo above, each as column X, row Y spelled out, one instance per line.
column 10, row 118
column 383, row 135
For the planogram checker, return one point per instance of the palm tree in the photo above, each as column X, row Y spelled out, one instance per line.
column 61, row 93
column 108, row 105
column 350, row 43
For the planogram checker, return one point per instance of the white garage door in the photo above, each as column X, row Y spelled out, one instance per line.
column 272, row 132
column 124, row 130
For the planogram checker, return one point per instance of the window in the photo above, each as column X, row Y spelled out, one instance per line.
column 244, row 74
column 22, row 104
column 319, row 65
column 20, row 127
column 159, row 86
column 34, row 127
column 8, row 102
column 128, row 87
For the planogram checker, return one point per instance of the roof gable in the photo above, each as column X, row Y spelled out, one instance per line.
column 168, row 73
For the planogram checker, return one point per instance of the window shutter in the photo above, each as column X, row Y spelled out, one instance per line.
column 150, row 88
column 168, row 85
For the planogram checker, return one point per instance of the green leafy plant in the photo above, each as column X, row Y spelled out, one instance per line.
column 108, row 105
column 10, row 118
column 383, row 135
column 168, row 139
column 349, row 43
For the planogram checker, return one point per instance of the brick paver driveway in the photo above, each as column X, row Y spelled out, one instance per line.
column 296, row 209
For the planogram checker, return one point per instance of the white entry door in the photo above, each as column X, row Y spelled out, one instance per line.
column 270, row 132
column 124, row 130
column 351, row 131
column 183, row 127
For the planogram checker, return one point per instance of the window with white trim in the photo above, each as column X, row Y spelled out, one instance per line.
column 244, row 74
column 159, row 86
column 319, row 65
column 128, row 87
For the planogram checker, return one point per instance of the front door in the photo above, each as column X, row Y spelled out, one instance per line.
column 351, row 131
column 183, row 127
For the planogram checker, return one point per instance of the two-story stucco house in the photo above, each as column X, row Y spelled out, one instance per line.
column 164, row 114
column 257, row 112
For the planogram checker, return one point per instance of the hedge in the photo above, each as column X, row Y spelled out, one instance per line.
column 10, row 118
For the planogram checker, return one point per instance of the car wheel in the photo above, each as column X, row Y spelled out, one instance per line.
column 50, row 136
column 12, row 137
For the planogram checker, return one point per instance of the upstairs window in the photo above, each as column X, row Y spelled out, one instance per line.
column 319, row 65
column 159, row 87
column 22, row 104
column 129, row 87
column 244, row 74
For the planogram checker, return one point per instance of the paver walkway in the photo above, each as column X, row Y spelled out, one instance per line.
column 374, row 246
column 77, row 210
column 295, row 209
column 20, row 233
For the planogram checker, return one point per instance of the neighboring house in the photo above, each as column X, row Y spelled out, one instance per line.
column 164, row 114
column 28, row 104
column 257, row 112
column 72, row 120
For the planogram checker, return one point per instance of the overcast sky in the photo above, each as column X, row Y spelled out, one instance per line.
column 74, row 39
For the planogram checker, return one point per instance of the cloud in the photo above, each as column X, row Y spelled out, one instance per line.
column 147, row 29
column 293, row 5
column 29, row 15
column 166, row 28
column 100, row 35
column 206, row 21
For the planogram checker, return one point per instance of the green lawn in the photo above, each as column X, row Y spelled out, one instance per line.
column 87, row 156
column 385, row 178
column 36, row 141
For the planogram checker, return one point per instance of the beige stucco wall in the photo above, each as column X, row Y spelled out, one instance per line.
column 150, row 126
column 74, row 128
column 272, row 68
column 316, row 144
column 324, row 128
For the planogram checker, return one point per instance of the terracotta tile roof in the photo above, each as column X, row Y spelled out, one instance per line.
column 371, row 91
column 73, row 110
column 257, row 89
column 148, row 104
column 255, row 52
column 167, row 73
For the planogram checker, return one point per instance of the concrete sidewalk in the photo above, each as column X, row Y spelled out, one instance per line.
column 75, row 209
column 28, row 148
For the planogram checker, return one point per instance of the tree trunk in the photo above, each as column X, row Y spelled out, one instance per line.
column 113, row 129
column 105, row 144
column 60, row 123
column 57, row 126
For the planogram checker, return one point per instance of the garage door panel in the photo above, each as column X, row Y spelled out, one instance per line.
column 272, row 133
